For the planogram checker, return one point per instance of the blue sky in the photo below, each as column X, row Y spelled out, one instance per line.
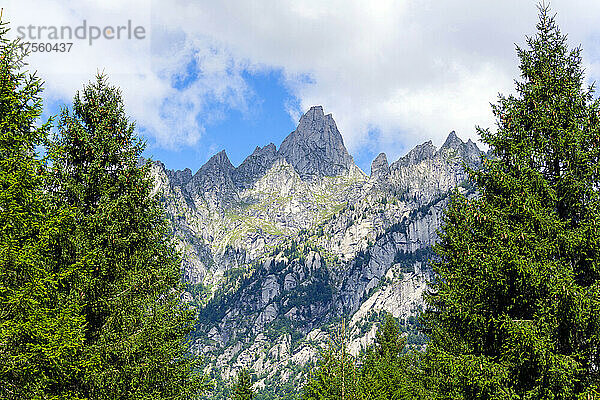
column 266, row 120
column 237, row 132
column 211, row 75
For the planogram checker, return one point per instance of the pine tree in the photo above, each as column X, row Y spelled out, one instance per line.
column 135, row 322
column 242, row 389
column 336, row 377
column 40, row 326
column 381, row 369
column 515, row 310
column 388, row 341
column 387, row 372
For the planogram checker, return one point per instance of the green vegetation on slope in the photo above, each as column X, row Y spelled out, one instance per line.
column 384, row 371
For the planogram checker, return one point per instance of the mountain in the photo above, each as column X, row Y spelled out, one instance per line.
column 255, row 166
column 316, row 148
column 213, row 183
column 280, row 249
column 380, row 168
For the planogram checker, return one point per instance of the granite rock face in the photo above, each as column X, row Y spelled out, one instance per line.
column 255, row 166
column 213, row 183
column 316, row 148
column 380, row 169
column 279, row 248
column 426, row 173
column 180, row 178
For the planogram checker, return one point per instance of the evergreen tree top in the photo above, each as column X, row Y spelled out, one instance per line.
column 514, row 312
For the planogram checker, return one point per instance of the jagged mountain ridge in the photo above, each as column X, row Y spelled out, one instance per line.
column 255, row 166
column 298, row 237
column 315, row 149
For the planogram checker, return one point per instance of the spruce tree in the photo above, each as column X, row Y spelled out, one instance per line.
column 336, row 376
column 515, row 309
column 40, row 325
column 135, row 323
column 387, row 371
column 242, row 389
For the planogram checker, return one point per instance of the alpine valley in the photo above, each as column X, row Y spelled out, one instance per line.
column 297, row 246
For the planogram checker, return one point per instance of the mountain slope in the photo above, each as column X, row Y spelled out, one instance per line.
column 277, row 250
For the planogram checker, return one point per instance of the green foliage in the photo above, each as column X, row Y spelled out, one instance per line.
column 384, row 371
column 276, row 390
column 515, row 309
column 335, row 378
column 283, row 326
column 198, row 291
column 40, row 325
column 362, row 258
column 319, row 290
column 319, row 231
column 388, row 341
column 242, row 389
column 387, row 372
column 128, row 285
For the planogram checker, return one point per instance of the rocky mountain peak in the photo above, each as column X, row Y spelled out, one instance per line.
column 311, row 250
column 218, row 162
column 313, row 113
column 179, row 177
column 316, row 148
column 468, row 152
column 215, row 176
column 255, row 166
column 472, row 147
column 452, row 141
column 380, row 167
column 421, row 152
column 270, row 148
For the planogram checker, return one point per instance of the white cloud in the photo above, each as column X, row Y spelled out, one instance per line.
column 407, row 70
column 144, row 69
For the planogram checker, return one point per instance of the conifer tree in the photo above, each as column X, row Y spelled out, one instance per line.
column 515, row 310
column 135, row 323
column 386, row 371
column 242, row 389
column 40, row 326
column 336, row 376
